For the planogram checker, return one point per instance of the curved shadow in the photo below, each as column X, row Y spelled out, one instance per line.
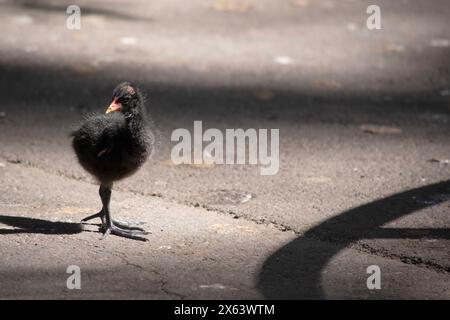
column 294, row 271
column 31, row 225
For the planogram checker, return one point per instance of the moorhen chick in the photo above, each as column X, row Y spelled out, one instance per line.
column 113, row 146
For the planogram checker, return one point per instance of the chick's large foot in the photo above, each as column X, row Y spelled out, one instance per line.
column 118, row 223
column 128, row 225
column 135, row 233
column 100, row 215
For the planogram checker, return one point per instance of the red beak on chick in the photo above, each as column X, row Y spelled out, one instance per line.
column 114, row 106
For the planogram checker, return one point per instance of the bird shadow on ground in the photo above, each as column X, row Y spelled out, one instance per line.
column 295, row 270
column 32, row 225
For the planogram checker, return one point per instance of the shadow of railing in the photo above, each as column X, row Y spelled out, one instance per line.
column 294, row 271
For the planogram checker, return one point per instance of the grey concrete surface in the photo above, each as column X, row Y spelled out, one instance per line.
column 344, row 198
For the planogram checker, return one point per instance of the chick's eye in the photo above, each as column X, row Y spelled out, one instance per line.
column 123, row 99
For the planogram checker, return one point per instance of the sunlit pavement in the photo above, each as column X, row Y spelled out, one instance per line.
column 364, row 148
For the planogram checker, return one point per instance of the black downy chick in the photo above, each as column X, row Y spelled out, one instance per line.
column 114, row 146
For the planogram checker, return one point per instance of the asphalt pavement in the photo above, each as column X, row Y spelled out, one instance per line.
column 364, row 149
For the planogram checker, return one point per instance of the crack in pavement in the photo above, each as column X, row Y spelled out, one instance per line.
column 361, row 247
column 163, row 288
column 30, row 164
column 418, row 261
column 124, row 258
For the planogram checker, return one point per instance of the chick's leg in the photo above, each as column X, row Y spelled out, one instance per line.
column 109, row 226
column 102, row 215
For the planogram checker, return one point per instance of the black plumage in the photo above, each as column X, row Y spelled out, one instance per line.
column 114, row 146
